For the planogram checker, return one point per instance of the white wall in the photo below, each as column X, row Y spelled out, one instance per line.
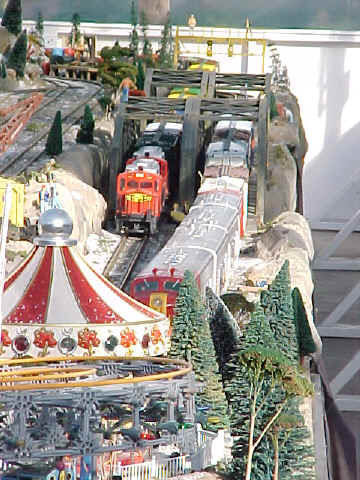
column 324, row 72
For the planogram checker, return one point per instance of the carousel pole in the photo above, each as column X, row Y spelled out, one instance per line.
column 3, row 237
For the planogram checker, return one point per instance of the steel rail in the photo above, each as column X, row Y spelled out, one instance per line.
column 73, row 115
column 124, row 268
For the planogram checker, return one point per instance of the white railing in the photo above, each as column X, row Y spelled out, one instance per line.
column 159, row 470
column 211, row 449
column 3, row 466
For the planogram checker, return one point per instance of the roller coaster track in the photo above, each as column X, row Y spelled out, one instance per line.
column 29, row 148
column 123, row 260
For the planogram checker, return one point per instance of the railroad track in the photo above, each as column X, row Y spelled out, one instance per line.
column 252, row 193
column 28, row 148
column 123, row 260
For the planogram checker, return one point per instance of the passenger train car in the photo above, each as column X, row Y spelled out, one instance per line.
column 207, row 242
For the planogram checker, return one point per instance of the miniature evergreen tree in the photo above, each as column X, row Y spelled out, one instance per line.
column 258, row 335
column 54, row 140
column 258, row 332
column 186, row 307
column 165, row 50
column 225, row 331
column 271, row 368
column 206, row 370
column 86, row 132
column 273, row 110
column 303, row 330
column 75, row 31
column 134, row 37
column 191, row 339
column 12, row 18
column 277, row 304
column 295, row 453
column 3, row 72
column 147, row 51
column 39, row 27
column 140, row 79
column 17, row 57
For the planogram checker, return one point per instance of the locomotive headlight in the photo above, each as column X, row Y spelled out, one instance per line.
column 157, row 302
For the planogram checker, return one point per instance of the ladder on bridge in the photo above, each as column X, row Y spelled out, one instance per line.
column 20, row 113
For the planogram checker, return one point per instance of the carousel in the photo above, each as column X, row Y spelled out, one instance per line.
column 54, row 304
column 80, row 372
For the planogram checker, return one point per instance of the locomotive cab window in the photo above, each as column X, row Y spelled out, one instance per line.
column 146, row 285
column 145, row 185
column 122, row 183
column 132, row 184
column 171, row 285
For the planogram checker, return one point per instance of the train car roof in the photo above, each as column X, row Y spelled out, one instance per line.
column 236, row 124
column 149, row 150
column 240, row 148
column 148, row 165
column 154, row 126
column 204, row 229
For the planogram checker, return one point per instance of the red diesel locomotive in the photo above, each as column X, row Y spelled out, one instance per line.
column 142, row 190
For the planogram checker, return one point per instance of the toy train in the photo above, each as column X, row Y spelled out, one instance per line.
column 208, row 240
column 144, row 187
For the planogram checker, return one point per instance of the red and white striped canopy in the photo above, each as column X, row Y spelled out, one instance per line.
column 56, row 285
column 55, row 291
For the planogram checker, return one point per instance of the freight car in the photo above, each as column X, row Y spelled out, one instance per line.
column 207, row 242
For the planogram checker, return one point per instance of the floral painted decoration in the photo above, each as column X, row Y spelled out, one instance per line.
column 44, row 339
column 5, row 340
column 156, row 336
column 87, row 339
column 127, row 338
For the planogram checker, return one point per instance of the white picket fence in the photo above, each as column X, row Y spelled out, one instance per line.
column 159, row 470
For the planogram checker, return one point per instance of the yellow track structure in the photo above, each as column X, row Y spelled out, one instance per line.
column 9, row 379
column 230, row 41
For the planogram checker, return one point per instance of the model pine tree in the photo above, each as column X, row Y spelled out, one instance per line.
column 140, row 78
column 224, row 329
column 12, row 18
column 3, row 72
column 206, row 370
column 191, row 340
column 134, row 37
column 86, row 132
column 17, row 57
column 54, row 140
column 296, row 453
column 187, row 305
column 39, row 27
column 147, row 50
column 165, row 60
column 237, row 388
column 277, row 304
column 303, row 330
column 261, row 383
